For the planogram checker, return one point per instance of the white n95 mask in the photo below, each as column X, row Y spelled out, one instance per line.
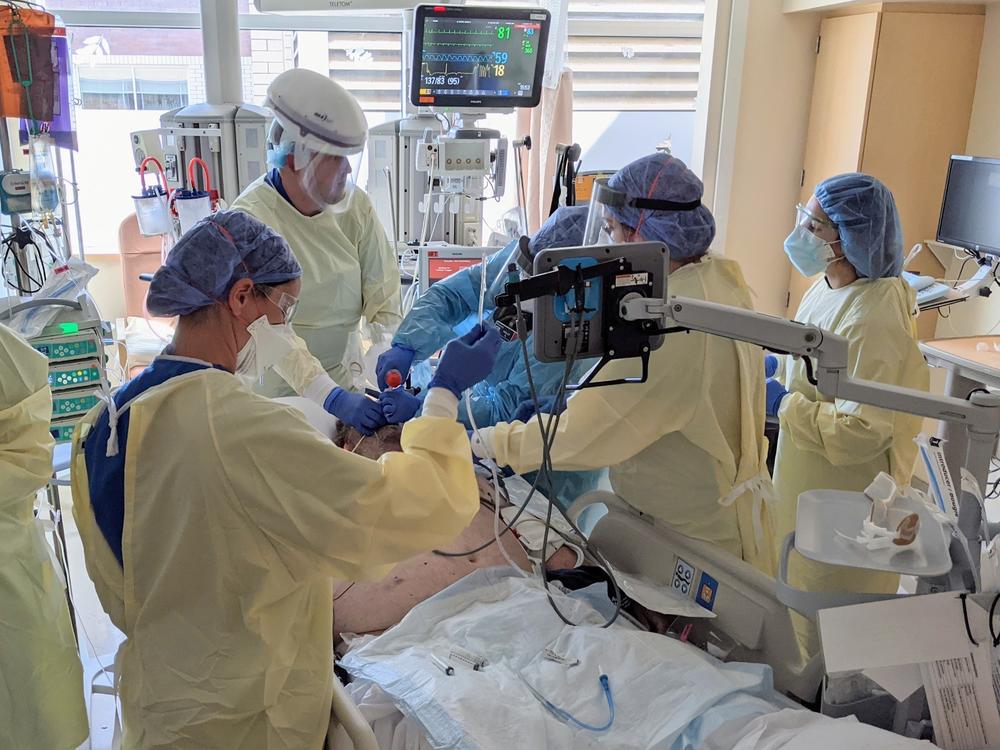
column 267, row 346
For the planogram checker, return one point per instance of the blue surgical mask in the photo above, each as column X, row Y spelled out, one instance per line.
column 808, row 253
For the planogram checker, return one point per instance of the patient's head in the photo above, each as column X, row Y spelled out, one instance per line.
column 385, row 440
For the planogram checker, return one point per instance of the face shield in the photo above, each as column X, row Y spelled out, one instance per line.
column 327, row 147
column 328, row 179
column 608, row 206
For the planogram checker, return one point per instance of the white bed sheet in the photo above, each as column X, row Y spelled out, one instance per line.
column 668, row 695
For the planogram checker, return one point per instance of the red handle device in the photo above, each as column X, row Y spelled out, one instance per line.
column 393, row 379
column 148, row 192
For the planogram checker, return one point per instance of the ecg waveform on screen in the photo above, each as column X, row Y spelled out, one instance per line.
column 459, row 32
column 455, row 57
column 480, row 45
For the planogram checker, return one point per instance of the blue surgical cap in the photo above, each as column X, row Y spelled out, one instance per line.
column 564, row 228
column 868, row 223
column 661, row 176
column 212, row 256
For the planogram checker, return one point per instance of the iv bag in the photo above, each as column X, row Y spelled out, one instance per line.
column 44, row 182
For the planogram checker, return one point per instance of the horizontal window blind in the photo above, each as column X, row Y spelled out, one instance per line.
column 624, row 69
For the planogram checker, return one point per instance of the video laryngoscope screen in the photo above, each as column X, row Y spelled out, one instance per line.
column 478, row 57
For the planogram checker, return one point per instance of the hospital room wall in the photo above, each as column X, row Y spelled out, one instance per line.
column 981, row 316
column 772, row 56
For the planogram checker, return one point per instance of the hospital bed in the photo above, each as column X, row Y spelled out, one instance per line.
column 396, row 700
column 688, row 697
column 750, row 624
column 662, row 693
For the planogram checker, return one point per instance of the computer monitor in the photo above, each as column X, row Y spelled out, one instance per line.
column 970, row 209
column 477, row 57
column 436, row 262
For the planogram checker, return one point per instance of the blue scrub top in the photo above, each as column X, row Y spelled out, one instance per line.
column 106, row 474
column 450, row 308
column 273, row 178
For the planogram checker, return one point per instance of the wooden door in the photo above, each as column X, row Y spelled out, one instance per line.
column 921, row 104
column 837, row 116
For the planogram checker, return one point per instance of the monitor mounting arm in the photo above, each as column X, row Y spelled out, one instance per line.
column 980, row 414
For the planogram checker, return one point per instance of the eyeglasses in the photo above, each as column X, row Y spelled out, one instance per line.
column 810, row 221
column 609, row 227
column 286, row 303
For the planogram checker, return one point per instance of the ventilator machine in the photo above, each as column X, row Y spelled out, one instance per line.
column 430, row 172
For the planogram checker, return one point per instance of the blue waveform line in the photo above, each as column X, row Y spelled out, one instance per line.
column 452, row 57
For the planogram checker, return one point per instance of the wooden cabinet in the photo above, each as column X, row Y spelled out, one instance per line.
column 892, row 96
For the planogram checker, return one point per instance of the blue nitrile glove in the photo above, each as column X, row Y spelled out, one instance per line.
column 775, row 392
column 770, row 365
column 399, row 405
column 396, row 357
column 547, row 405
column 355, row 409
column 467, row 360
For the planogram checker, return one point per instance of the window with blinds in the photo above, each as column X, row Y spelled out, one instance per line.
column 125, row 86
column 627, row 55
column 618, row 73
column 637, row 10
column 635, row 55
column 369, row 65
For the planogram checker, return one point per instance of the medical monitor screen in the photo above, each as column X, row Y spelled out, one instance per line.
column 970, row 210
column 478, row 57
column 442, row 268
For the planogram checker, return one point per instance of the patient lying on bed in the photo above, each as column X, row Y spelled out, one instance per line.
column 363, row 608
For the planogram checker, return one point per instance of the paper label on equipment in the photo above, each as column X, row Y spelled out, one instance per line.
column 910, row 630
column 962, row 696
column 683, row 578
column 942, row 486
column 631, row 279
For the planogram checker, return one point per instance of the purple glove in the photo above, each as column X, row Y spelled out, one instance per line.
column 467, row 360
column 547, row 405
column 396, row 357
column 770, row 365
column 399, row 405
column 355, row 409
column 774, row 394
